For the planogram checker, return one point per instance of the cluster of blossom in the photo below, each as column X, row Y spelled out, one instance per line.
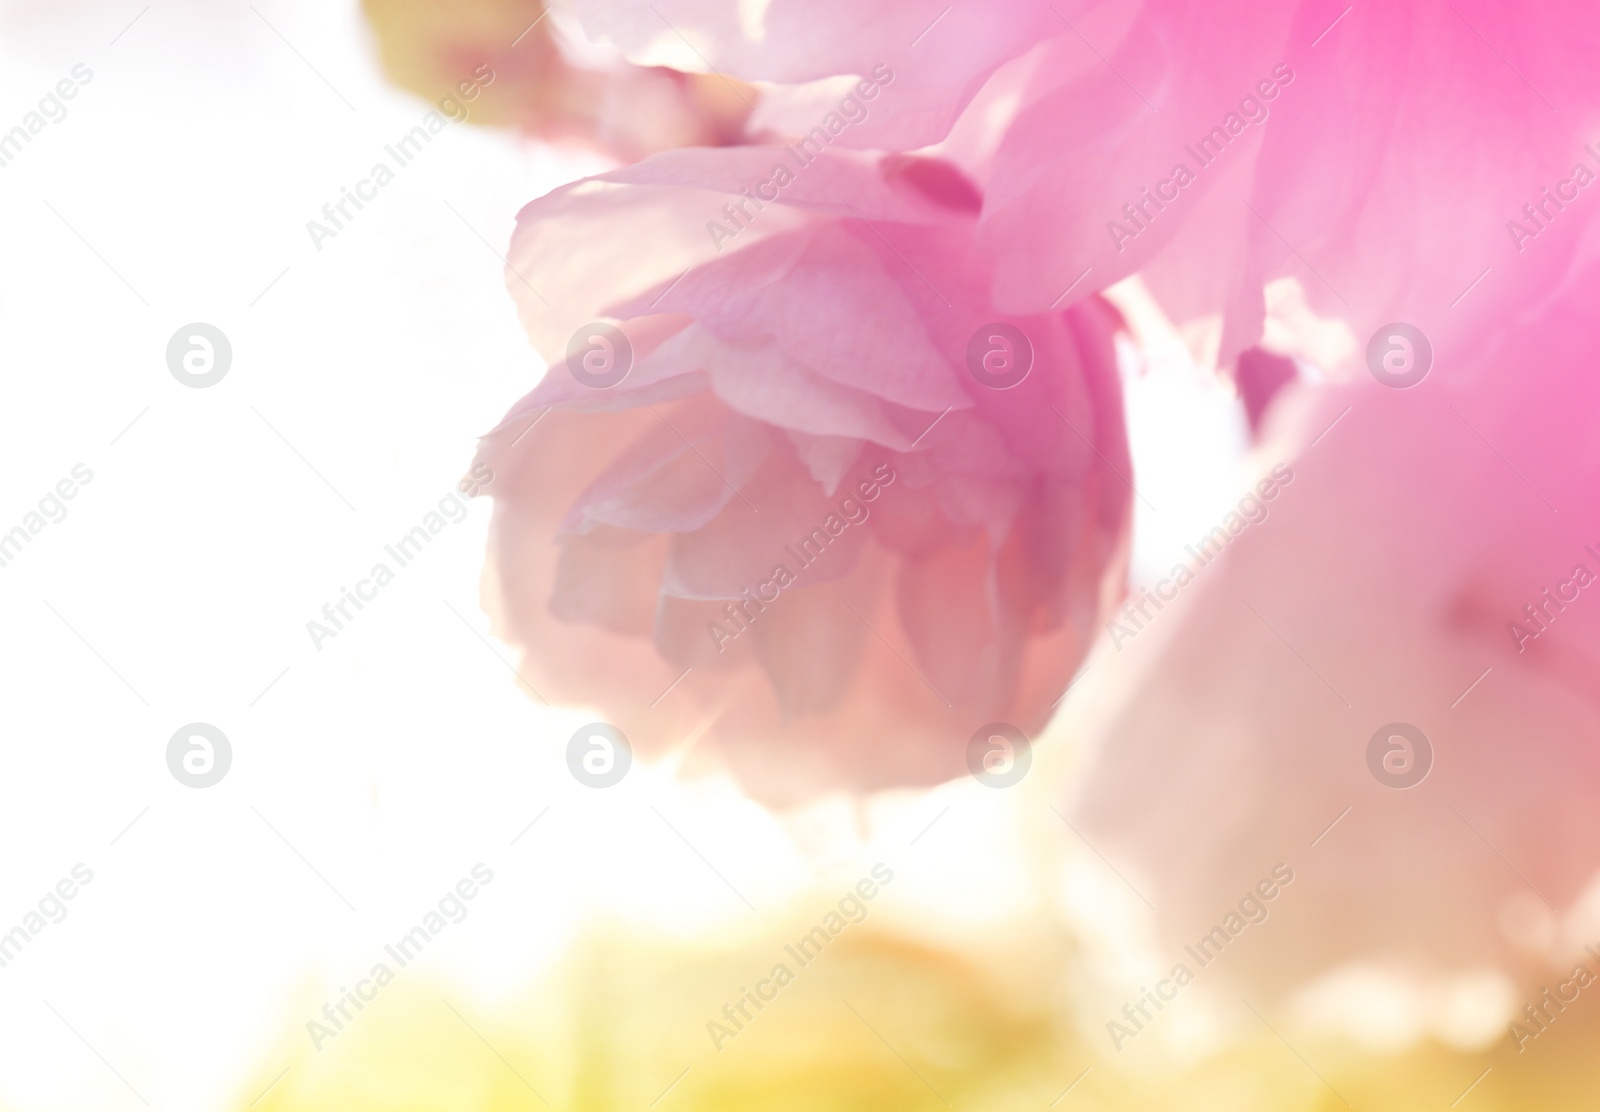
column 826, row 326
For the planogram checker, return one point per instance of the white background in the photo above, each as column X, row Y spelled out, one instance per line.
column 179, row 586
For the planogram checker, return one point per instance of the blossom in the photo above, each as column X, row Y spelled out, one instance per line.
column 800, row 525
column 805, row 53
column 1376, row 154
column 1382, row 156
column 1433, row 566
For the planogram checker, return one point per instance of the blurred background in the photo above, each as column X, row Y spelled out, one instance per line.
column 375, row 770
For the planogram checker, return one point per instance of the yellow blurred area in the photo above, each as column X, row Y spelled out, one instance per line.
column 872, row 1023
column 430, row 47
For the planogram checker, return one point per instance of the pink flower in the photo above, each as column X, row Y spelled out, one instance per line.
column 799, row 514
column 1385, row 156
column 810, row 53
column 1435, row 562
column 1381, row 155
